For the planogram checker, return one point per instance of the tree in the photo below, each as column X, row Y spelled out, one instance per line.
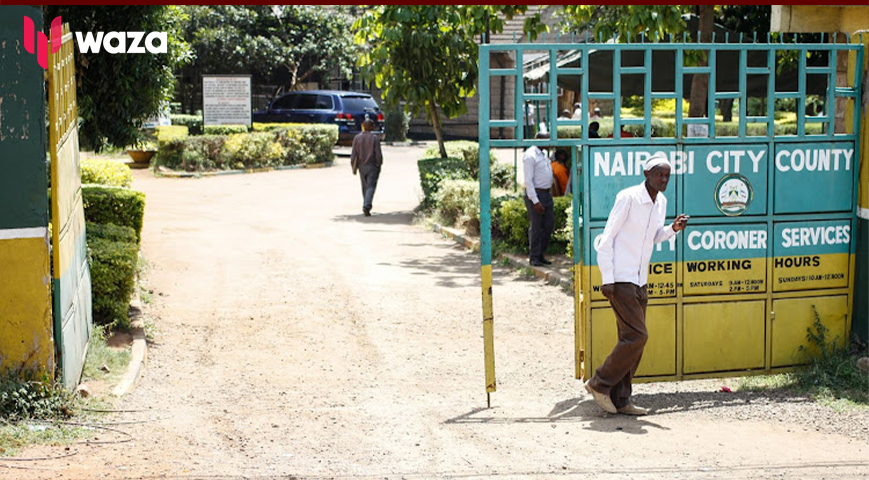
column 284, row 45
column 426, row 55
column 118, row 92
column 628, row 22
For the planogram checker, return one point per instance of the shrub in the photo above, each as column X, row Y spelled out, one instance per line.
column 318, row 139
column 458, row 199
column 432, row 171
column 106, row 172
column 170, row 145
column 204, row 152
column 458, row 203
column 192, row 122
column 512, row 221
column 253, row 150
column 113, row 272
column 396, row 124
column 110, row 231
column 269, row 145
column 467, row 151
column 120, row 206
column 31, row 396
column 267, row 127
column 224, row 129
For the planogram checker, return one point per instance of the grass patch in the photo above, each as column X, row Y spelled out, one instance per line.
column 104, row 363
column 32, row 411
column 831, row 376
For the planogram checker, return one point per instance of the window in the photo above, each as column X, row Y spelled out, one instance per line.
column 355, row 104
column 306, row 101
column 324, row 102
column 285, row 102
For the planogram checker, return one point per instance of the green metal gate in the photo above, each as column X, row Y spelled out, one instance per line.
column 734, row 293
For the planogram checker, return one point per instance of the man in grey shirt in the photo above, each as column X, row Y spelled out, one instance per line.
column 366, row 157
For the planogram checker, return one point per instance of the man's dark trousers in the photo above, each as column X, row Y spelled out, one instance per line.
column 542, row 224
column 614, row 377
column 368, row 175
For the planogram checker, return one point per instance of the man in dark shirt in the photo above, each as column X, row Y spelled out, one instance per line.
column 366, row 157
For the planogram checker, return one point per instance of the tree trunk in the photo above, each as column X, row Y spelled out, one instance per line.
column 436, row 123
column 700, row 83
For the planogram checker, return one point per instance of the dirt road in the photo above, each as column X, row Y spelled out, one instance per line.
column 299, row 339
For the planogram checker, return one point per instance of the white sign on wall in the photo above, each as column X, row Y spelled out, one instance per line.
column 226, row 100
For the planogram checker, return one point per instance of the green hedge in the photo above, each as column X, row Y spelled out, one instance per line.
column 307, row 143
column 192, row 122
column 113, row 272
column 463, row 162
column 119, row 206
column 512, row 222
column 253, row 150
column 106, row 172
column 432, row 171
column 110, row 231
column 224, row 129
column 268, row 145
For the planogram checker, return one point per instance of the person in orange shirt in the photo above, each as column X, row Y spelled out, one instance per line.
column 560, row 173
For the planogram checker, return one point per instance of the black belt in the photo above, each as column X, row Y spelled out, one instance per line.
column 541, row 189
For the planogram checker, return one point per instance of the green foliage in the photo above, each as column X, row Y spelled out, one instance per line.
column 110, row 231
column 120, row 206
column 33, row 396
column 832, row 371
column 281, row 45
column 250, row 150
column 626, row 22
column 116, row 93
column 396, row 124
column 106, row 172
column 426, row 55
column 501, row 176
column 511, row 218
column 432, row 171
column 224, row 129
column 458, row 200
column 307, row 143
column 513, row 221
column 267, row 127
column 203, row 152
column 269, row 145
column 112, row 258
column 192, row 122
column 113, row 276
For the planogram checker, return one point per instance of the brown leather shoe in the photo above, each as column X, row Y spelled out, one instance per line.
column 631, row 409
column 603, row 401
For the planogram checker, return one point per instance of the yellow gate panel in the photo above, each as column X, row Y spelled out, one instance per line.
column 26, row 341
column 659, row 356
column 794, row 316
column 723, row 336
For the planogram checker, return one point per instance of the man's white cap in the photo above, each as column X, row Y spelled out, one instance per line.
column 656, row 159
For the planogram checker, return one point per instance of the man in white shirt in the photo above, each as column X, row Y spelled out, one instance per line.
column 538, row 201
column 635, row 224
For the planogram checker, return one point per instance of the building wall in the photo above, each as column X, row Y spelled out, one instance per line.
column 26, row 334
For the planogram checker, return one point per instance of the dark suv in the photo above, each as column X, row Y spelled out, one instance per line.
column 346, row 109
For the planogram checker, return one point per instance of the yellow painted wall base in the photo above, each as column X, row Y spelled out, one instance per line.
column 26, row 339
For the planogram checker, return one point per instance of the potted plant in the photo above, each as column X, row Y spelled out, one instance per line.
column 142, row 151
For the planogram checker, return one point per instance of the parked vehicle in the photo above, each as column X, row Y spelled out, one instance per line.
column 346, row 109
